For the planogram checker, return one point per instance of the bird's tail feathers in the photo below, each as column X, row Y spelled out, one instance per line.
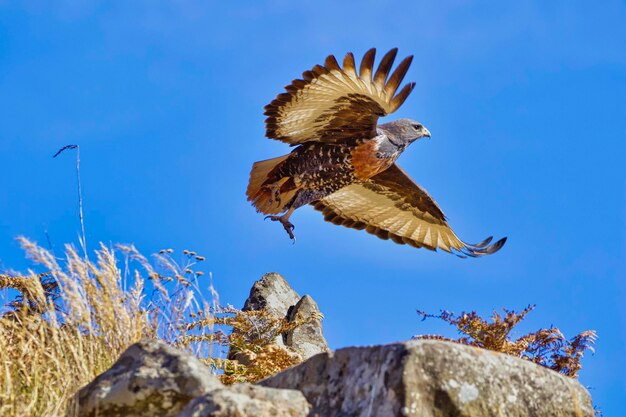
column 270, row 197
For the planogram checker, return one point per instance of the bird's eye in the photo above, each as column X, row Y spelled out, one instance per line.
column 417, row 127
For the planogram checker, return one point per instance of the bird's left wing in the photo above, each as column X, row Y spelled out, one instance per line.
column 332, row 103
column 391, row 206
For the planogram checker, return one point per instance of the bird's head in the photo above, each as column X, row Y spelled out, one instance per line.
column 403, row 132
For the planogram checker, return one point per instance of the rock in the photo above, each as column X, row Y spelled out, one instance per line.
column 430, row 378
column 308, row 339
column 150, row 378
column 273, row 294
column 245, row 400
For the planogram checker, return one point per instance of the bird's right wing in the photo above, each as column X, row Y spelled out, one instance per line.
column 391, row 206
column 332, row 104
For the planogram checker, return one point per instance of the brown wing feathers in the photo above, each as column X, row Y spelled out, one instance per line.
column 331, row 103
column 367, row 64
column 391, row 206
column 463, row 250
column 384, row 67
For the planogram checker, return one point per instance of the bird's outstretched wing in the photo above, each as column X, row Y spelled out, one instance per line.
column 391, row 206
column 331, row 104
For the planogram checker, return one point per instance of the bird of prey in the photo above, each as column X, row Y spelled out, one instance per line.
column 343, row 163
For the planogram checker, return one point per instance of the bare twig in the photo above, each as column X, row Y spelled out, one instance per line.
column 83, row 238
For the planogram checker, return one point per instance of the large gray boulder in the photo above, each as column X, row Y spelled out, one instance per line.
column 152, row 378
column 307, row 339
column 273, row 294
column 429, row 378
column 245, row 400
column 149, row 379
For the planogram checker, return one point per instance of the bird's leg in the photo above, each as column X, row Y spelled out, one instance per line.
column 284, row 219
column 274, row 190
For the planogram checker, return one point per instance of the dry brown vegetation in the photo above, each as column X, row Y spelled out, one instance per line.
column 545, row 347
column 253, row 353
column 61, row 328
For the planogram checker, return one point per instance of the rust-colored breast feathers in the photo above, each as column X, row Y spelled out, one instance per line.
column 366, row 161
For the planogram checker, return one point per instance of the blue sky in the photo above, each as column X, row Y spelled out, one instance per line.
column 525, row 101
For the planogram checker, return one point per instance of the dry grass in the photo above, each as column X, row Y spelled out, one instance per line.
column 545, row 347
column 61, row 328
column 64, row 328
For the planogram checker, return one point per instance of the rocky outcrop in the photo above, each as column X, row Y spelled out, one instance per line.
column 149, row 379
column 247, row 400
column 429, row 378
column 274, row 295
column 425, row 378
column 152, row 378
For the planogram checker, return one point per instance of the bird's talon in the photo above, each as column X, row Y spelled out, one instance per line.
column 289, row 229
column 287, row 225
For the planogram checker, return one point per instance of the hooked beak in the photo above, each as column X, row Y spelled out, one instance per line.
column 426, row 132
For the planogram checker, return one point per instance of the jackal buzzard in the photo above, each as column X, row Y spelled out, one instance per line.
column 344, row 162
